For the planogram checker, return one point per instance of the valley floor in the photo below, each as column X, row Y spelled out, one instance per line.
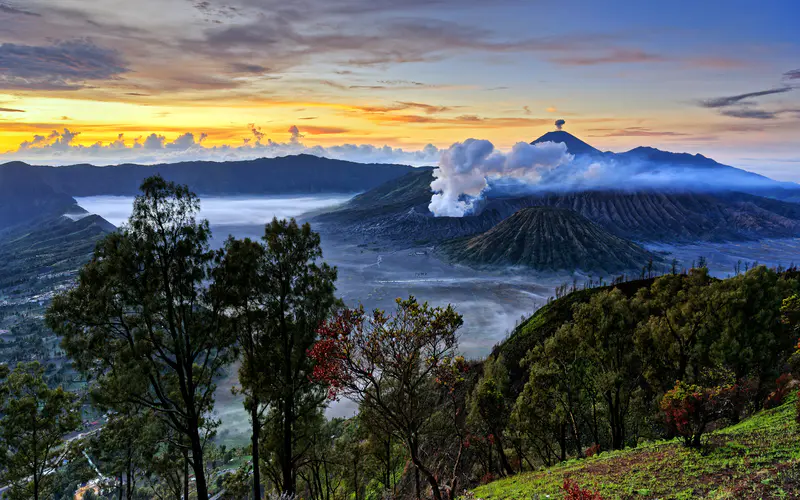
column 757, row 458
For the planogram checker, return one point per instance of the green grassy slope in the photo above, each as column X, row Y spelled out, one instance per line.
column 757, row 458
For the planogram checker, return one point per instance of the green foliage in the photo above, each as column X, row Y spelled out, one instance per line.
column 673, row 341
column 35, row 420
column 279, row 295
column 595, row 382
column 126, row 445
column 489, row 409
column 237, row 484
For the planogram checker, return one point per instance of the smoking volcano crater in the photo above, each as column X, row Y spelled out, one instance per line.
column 643, row 195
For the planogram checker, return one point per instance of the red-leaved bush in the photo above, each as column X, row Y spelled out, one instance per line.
column 592, row 450
column 777, row 396
column 487, row 478
column 572, row 491
column 688, row 409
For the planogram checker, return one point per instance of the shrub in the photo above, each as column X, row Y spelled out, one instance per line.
column 572, row 491
column 592, row 450
column 688, row 409
column 777, row 396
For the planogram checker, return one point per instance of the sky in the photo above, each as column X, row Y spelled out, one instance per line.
column 113, row 81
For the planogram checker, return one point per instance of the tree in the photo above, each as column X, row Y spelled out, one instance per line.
column 753, row 337
column 35, row 421
column 279, row 309
column 603, row 332
column 237, row 483
column 562, row 391
column 240, row 283
column 688, row 409
column 125, row 445
column 490, row 406
column 141, row 323
column 387, row 364
column 675, row 340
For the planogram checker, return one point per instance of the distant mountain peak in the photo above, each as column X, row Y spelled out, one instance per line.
column 14, row 164
column 574, row 145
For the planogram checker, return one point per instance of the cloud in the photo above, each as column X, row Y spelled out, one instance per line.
column 616, row 56
column 15, row 11
column 461, row 120
column 59, row 148
column 759, row 114
column 721, row 102
column 313, row 130
column 11, row 110
column 296, row 135
column 465, row 169
column 792, row 75
column 473, row 170
column 257, row 69
column 404, row 105
column 60, row 66
column 743, row 105
column 291, row 36
column 634, row 132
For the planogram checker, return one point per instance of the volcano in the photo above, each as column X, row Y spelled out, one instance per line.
column 548, row 239
column 729, row 205
column 574, row 145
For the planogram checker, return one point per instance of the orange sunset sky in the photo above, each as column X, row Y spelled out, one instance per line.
column 107, row 81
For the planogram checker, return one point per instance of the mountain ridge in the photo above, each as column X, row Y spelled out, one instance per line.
column 25, row 196
column 295, row 174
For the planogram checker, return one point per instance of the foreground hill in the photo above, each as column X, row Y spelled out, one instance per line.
column 304, row 174
column 546, row 238
column 757, row 458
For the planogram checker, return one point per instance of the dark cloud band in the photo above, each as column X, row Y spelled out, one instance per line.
column 61, row 66
column 721, row 102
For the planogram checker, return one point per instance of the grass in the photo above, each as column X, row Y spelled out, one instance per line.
column 757, row 458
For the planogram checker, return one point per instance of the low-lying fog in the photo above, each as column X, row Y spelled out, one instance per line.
column 222, row 211
column 491, row 302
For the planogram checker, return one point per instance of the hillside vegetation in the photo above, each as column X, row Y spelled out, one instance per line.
column 757, row 458
column 579, row 387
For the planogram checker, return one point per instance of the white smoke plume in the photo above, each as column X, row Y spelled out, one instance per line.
column 466, row 168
